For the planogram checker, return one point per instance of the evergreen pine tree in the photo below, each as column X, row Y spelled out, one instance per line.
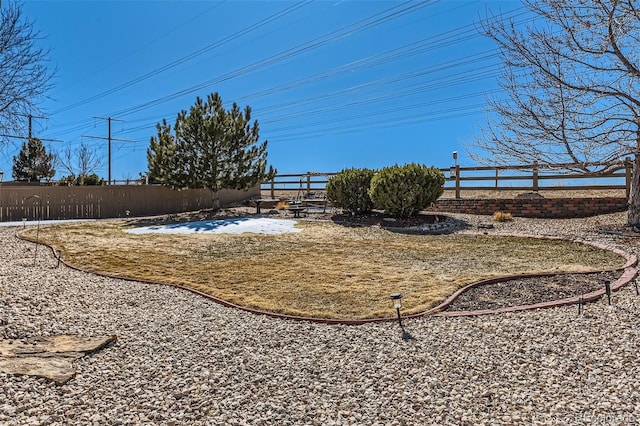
column 33, row 163
column 211, row 147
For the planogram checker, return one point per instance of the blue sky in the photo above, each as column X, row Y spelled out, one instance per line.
column 333, row 84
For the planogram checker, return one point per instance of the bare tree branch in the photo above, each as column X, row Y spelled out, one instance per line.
column 79, row 163
column 24, row 69
column 571, row 84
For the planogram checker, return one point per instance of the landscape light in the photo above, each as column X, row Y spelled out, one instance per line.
column 396, row 300
column 453, row 169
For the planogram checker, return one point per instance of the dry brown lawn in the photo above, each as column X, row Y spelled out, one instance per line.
column 327, row 270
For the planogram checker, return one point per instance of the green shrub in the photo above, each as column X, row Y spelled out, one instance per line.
column 92, row 179
column 349, row 190
column 67, row 180
column 403, row 191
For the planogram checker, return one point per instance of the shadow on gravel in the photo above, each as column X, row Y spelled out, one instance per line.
column 406, row 336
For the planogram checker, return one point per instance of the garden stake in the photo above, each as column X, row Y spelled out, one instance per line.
column 35, row 252
column 607, row 287
column 636, row 284
column 581, row 305
column 59, row 256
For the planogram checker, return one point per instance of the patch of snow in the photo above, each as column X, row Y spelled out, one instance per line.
column 239, row 225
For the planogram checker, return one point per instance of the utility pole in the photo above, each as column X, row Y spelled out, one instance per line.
column 31, row 117
column 109, row 139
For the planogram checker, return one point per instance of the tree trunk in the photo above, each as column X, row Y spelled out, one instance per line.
column 633, row 217
column 215, row 200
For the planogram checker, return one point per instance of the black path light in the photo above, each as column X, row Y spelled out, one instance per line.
column 396, row 299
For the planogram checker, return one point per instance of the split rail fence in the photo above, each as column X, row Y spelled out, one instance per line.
column 526, row 178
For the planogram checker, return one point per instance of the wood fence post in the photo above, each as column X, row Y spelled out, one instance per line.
column 457, row 181
column 273, row 192
column 627, row 176
column 308, row 183
column 535, row 176
column 497, row 171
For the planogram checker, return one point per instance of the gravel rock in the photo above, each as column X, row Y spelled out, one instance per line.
column 529, row 291
column 183, row 360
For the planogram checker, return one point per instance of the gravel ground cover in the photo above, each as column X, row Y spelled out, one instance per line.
column 181, row 359
column 528, row 291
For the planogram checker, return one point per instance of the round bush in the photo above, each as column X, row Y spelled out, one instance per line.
column 349, row 190
column 403, row 191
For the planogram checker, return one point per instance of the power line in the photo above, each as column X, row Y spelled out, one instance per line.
column 438, row 41
column 30, row 134
column 443, row 40
column 394, row 54
column 188, row 57
column 146, row 45
column 369, row 22
column 391, row 14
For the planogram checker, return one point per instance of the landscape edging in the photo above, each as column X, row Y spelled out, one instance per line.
column 630, row 272
column 629, row 268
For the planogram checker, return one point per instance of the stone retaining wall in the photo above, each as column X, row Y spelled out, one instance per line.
column 559, row 208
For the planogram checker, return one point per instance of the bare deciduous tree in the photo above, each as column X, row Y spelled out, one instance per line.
column 24, row 69
column 572, row 80
column 79, row 163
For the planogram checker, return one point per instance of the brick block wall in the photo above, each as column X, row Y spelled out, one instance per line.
column 559, row 208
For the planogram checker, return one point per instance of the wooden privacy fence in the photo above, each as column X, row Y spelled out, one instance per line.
column 112, row 201
column 527, row 178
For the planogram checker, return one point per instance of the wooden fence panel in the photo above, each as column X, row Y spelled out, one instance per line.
column 112, row 201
